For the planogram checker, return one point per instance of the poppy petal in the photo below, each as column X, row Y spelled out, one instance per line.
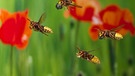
column 15, row 31
column 87, row 11
column 93, row 32
column 4, row 14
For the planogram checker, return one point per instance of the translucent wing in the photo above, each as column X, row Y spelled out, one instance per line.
column 99, row 30
column 66, row 0
column 117, row 28
column 28, row 19
column 78, row 48
column 76, row 5
column 62, row 0
column 73, row 4
column 90, row 51
column 42, row 18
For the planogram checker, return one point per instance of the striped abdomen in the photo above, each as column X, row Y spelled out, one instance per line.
column 115, row 35
column 89, row 57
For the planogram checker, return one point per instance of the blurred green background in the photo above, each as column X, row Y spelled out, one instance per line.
column 55, row 55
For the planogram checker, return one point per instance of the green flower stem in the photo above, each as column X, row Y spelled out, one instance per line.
column 112, row 50
column 76, row 42
column 11, row 60
column 76, row 33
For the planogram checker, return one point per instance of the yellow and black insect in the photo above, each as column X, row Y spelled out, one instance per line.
column 36, row 26
column 85, row 55
column 110, row 33
column 66, row 3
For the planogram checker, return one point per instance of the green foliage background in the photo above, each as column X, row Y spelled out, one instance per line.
column 55, row 55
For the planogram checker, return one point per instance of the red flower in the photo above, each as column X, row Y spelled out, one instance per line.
column 14, row 29
column 112, row 17
column 93, row 32
column 89, row 8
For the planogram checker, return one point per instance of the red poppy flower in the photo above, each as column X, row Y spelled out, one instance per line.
column 113, row 17
column 14, row 29
column 89, row 8
column 93, row 32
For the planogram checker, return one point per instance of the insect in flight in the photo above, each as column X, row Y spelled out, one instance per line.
column 110, row 33
column 36, row 26
column 66, row 3
column 89, row 57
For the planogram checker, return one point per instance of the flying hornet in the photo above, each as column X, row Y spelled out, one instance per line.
column 110, row 33
column 89, row 57
column 66, row 3
column 36, row 26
